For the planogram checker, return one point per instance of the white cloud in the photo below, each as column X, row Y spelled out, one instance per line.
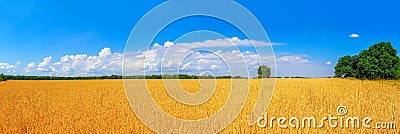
column 30, row 68
column 168, row 44
column 103, row 53
column 328, row 63
column 195, row 58
column 43, row 65
column 105, row 63
column 292, row 59
column 227, row 42
column 18, row 63
column 354, row 35
column 214, row 67
column 183, row 57
column 7, row 67
column 31, row 65
column 156, row 45
column 218, row 57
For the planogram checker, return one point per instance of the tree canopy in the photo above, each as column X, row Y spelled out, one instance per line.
column 264, row 71
column 379, row 61
column 2, row 77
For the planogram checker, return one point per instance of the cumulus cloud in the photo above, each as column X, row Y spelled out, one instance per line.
column 292, row 59
column 30, row 68
column 156, row 45
column 218, row 57
column 5, row 67
column 105, row 63
column 168, row 44
column 191, row 59
column 354, row 35
column 43, row 66
column 227, row 42
column 18, row 63
column 214, row 67
column 104, row 52
column 328, row 63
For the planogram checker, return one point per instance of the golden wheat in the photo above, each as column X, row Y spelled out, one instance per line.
column 100, row 106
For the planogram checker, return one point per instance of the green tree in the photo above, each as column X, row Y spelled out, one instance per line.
column 380, row 61
column 264, row 71
column 2, row 77
column 346, row 66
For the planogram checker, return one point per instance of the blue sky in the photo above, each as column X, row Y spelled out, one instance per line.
column 313, row 32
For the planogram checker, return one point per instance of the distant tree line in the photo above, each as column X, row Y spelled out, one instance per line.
column 296, row 77
column 380, row 61
column 21, row 77
column 164, row 76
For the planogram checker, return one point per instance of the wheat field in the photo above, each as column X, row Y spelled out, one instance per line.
column 101, row 106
